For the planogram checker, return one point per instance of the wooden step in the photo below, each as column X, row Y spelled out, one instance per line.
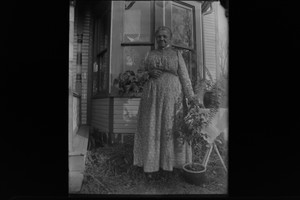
column 76, row 163
column 75, row 182
column 77, row 159
column 80, row 140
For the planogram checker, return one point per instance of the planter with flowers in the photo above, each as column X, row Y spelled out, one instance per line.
column 130, row 84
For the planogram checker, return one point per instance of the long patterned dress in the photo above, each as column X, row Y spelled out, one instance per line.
column 156, row 145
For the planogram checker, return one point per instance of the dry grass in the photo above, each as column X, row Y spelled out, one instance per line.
column 109, row 170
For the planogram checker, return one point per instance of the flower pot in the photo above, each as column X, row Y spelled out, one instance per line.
column 194, row 176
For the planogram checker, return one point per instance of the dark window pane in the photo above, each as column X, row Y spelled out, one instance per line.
column 95, row 79
column 103, row 72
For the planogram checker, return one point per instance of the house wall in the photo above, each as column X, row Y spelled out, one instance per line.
column 125, row 115
column 222, row 42
column 124, row 119
column 76, row 114
column 82, row 25
column 215, row 28
column 74, row 49
column 117, row 116
column 86, row 59
column 70, row 86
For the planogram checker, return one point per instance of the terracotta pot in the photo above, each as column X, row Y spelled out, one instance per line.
column 194, row 177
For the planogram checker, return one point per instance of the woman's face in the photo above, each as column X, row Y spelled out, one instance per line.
column 163, row 38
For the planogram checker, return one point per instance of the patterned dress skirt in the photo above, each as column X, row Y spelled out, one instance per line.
column 156, row 144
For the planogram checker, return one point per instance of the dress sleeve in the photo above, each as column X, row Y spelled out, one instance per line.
column 184, row 78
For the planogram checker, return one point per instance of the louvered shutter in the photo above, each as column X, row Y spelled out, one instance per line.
column 209, row 30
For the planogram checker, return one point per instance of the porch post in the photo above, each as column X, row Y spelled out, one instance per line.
column 71, row 38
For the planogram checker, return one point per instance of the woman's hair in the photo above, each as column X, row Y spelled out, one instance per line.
column 163, row 28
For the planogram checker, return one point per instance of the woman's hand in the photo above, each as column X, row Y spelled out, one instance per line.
column 155, row 73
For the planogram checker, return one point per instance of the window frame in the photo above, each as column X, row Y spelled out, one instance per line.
column 194, row 23
column 99, row 51
column 197, row 49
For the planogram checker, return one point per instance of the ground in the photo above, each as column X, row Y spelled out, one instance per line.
column 109, row 170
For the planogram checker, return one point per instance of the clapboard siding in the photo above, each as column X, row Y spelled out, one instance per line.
column 122, row 130
column 124, row 125
column 119, row 120
column 82, row 25
column 125, row 115
column 75, row 47
column 96, row 111
column 86, row 31
column 76, row 114
column 209, row 30
column 100, row 114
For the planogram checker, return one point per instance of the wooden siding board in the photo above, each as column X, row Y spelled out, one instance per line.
column 100, row 114
column 97, row 111
column 125, row 131
column 100, row 102
column 100, row 106
column 125, row 108
column 125, row 126
column 120, row 114
column 125, row 115
column 103, row 112
column 86, row 22
column 100, row 125
column 99, row 121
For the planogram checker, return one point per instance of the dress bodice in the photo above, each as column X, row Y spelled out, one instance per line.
column 165, row 60
column 169, row 60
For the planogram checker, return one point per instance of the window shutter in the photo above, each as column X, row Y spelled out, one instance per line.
column 209, row 30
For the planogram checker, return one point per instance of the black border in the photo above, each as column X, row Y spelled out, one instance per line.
column 263, row 100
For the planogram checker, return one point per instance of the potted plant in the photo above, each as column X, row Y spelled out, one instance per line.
column 130, row 84
column 192, row 132
column 212, row 92
column 196, row 122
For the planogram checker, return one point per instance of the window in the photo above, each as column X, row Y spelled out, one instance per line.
column 137, row 21
column 138, row 30
column 182, row 26
column 133, row 28
column 101, row 55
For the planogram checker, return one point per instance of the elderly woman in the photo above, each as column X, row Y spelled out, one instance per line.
column 156, row 145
